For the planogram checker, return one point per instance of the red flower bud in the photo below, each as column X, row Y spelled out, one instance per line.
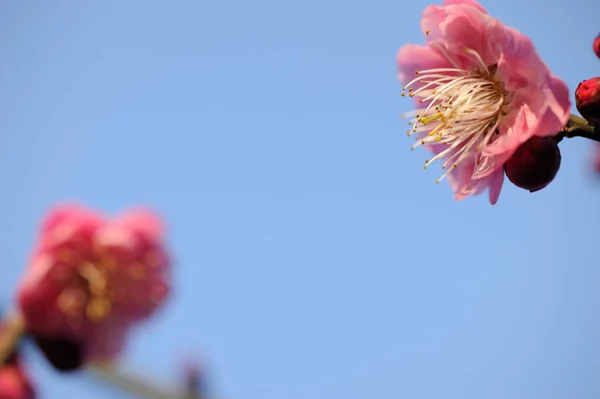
column 597, row 46
column 534, row 164
column 14, row 382
column 587, row 99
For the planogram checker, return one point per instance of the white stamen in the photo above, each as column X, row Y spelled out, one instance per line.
column 463, row 109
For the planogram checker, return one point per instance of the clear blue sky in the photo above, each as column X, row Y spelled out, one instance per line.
column 316, row 259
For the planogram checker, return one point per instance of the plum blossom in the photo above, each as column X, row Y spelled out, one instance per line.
column 481, row 90
column 91, row 278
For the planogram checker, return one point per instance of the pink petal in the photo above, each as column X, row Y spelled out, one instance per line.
column 489, row 164
column 431, row 22
column 520, row 64
column 466, row 27
column 495, row 183
column 471, row 3
column 143, row 221
column 412, row 58
column 68, row 222
column 559, row 104
column 519, row 131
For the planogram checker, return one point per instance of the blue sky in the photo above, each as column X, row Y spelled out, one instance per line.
column 315, row 257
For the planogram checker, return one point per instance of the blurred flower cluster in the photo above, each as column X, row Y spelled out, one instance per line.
column 89, row 280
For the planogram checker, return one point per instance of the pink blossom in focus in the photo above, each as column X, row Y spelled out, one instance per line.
column 91, row 278
column 481, row 90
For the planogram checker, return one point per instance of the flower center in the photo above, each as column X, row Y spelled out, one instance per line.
column 91, row 295
column 461, row 111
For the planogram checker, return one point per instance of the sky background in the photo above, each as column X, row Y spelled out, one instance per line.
column 316, row 259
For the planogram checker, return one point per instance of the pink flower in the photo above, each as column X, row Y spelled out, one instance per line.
column 596, row 46
column 481, row 90
column 597, row 157
column 92, row 278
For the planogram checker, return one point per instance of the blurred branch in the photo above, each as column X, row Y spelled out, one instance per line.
column 11, row 331
column 131, row 382
column 140, row 386
column 578, row 127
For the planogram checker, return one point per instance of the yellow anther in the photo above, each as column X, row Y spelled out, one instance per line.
column 97, row 309
column 425, row 120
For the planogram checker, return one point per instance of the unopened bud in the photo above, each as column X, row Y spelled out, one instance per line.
column 63, row 354
column 597, row 46
column 14, row 381
column 587, row 99
column 534, row 164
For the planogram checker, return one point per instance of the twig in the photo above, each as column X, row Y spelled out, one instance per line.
column 132, row 382
column 140, row 386
column 11, row 331
column 578, row 127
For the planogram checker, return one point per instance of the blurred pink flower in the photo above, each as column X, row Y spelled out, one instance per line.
column 597, row 157
column 481, row 90
column 14, row 382
column 596, row 46
column 91, row 278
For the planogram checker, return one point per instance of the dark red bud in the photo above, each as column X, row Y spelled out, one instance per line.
column 64, row 354
column 534, row 164
column 14, row 381
column 587, row 99
column 597, row 46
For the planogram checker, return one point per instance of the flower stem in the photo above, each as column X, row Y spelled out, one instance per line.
column 130, row 382
column 578, row 127
column 136, row 384
column 11, row 331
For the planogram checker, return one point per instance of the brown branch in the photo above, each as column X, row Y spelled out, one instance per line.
column 131, row 382
column 137, row 384
column 578, row 127
column 12, row 329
